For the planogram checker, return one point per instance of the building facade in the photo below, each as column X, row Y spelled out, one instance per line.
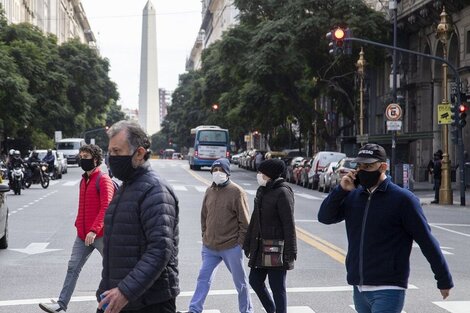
column 217, row 17
column 165, row 102
column 66, row 19
column 420, row 81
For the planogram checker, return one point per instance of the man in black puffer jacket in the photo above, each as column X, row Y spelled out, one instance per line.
column 140, row 259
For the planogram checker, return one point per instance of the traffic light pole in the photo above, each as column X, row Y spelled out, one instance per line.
column 457, row 81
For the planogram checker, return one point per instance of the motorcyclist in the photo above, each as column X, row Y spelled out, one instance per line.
column 33, row 159
column 49, row 159
column 15, row 161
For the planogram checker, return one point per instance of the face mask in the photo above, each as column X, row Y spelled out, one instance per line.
column 121, row 166
column 87, row 164
column 219, row 178
column 369, row 179
column 261, row 180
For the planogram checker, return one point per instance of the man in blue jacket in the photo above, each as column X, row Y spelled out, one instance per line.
column 140, row 257
column 382, row 220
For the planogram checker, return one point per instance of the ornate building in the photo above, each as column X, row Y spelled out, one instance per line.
column 65, row 19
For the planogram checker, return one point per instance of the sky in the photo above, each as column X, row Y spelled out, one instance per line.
column 117, row 25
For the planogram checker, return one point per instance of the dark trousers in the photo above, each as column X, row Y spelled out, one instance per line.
column 277, row 282
column 164, row 307
column 437, row 186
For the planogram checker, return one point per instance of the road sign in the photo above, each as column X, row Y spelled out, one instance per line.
column 394, row 125
column 393, row 112
column 444, row 114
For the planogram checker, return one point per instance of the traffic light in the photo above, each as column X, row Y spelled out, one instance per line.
column 463, row 114
column 337, row 44
column 455, row 115
column 215, row 107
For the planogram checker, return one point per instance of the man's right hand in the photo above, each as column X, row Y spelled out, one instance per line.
column 347, row 182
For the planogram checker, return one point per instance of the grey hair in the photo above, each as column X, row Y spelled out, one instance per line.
column 136, row 136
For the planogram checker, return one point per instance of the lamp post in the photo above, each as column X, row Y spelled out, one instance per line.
column 445, row 192
column 361, row 64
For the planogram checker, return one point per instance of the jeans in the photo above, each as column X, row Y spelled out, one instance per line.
column 277, row 303
column 380, row 301
column 80, row 254
column 233, row 259
column 164, row 307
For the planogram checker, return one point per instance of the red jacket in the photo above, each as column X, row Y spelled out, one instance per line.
column 93, row 204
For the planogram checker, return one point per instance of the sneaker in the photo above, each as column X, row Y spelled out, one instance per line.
column 51, row 307
column 434, row 202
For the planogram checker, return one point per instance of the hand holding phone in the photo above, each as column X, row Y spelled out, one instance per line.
column 348, row 181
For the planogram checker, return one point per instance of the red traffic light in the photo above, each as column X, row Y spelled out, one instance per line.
column 462, row 108
column 339, row 34
column 215, row 106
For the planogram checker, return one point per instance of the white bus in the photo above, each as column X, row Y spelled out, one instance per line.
column 208, row 143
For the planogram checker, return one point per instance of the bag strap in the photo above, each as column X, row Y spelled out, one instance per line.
column 98, row 181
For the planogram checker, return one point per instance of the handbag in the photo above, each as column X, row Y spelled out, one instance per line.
column 272, row 253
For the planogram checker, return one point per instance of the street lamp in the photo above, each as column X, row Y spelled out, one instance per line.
column 361, row 64
column 442, row 33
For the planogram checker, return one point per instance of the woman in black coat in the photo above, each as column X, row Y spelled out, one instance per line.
column 272, row 218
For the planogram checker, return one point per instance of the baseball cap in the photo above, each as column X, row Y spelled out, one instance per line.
column 371, row 153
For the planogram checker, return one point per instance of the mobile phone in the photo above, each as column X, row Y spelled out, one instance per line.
column 102, row 296
column 356, row 181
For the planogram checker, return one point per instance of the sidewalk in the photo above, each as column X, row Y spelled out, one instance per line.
column 423, row 190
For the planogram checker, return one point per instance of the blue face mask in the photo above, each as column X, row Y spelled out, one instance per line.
column 121, row 166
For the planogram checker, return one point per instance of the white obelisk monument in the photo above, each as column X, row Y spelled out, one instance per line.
column 149, row 113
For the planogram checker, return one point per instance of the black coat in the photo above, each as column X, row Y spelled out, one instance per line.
column 140, row 254
column 275, row 205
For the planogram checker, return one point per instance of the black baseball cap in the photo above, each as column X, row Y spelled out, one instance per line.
column 371, row 153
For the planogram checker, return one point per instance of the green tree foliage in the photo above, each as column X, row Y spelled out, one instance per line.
column 45, row 87
column 267, row 71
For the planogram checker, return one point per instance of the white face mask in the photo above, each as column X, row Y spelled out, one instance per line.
column 219, row 178
column 261, row 180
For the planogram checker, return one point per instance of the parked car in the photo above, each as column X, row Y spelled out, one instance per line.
column 176, row 156
column 342, row 168
column 298, row 171
column 294, row 163
column 319, row 161
column 63, row 160
column 3, row 216
column 304, row 173
column 325, row 177
column 57, row 173
column 235, row 158
column 275, row 155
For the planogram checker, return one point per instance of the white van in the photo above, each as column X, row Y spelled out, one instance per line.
column 70, row 147
column 319, row 161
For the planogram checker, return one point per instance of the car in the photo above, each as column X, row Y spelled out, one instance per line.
column 299, row 170
column 294, row 163
column 325, row 177
column 319, row 161
column 235, row 158
column 3, row 216
column 63, row 160
column 57, row 174
column 176, row 156
column 342, row 168
column 71, row 148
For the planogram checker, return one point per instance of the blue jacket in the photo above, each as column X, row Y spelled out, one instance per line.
column 381, row 228
column 140, row 254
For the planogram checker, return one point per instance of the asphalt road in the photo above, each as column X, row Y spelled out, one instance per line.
column 32, row 269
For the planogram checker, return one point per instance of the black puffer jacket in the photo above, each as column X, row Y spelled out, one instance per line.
column 275, row 205
column 141, row 241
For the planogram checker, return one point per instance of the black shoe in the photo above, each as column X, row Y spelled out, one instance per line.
column 435, row 201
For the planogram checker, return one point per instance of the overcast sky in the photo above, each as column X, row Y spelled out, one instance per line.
column 117, row 25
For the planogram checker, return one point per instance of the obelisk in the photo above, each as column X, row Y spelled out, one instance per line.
column 149, row 113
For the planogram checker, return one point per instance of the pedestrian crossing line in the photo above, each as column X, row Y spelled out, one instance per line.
column 309, row 197
column 71, row 183
column 454, row 306
column 179, row 188
column 201, row 188
column 299, row 309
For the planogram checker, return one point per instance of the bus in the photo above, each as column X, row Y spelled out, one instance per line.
column 208, row 143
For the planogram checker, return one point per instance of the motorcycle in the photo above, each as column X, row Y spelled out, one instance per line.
column 17, row 176
column 37, row 174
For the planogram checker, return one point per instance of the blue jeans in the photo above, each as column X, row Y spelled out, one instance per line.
column 380, row 301
column 80, row 254
column 233, row 259
column 277, row 282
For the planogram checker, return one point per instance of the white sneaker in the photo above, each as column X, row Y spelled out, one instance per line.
column 51, row 307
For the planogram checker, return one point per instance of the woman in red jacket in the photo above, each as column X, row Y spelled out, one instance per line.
column 96, row 191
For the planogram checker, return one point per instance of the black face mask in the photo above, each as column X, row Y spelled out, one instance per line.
column 87, row 164
column 369, row 179
column 121, row 166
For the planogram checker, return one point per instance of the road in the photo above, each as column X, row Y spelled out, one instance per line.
column 32, row 269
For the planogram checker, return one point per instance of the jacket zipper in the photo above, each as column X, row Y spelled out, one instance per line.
column 361, row 246
column 109, row 236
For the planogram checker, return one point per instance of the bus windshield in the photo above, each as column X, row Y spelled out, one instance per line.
column 213, row 136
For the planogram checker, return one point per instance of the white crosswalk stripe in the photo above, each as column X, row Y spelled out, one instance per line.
column 71, row 183
column 180, row 188
column 307, row 196
column 454, row 306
